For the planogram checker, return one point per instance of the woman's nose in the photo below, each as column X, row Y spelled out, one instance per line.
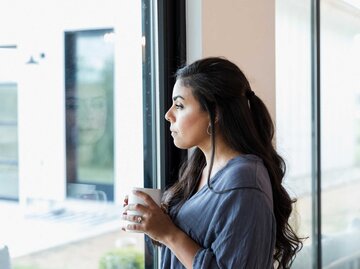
column 167, row 115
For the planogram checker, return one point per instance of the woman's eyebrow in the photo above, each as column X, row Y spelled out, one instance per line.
column 178, row 96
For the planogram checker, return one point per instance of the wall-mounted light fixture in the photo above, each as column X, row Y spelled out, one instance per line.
column 33, row 60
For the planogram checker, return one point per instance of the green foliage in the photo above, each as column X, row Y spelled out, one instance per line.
column 123, row 258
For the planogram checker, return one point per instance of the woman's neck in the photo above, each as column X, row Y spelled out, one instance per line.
column 223, row 153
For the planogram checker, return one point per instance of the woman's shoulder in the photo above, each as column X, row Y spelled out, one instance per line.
column 245, row 171
column 241, row 170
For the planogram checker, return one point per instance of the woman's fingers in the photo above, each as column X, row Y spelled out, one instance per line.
column 152, row 221
column 149, row 218
column 137, row 223
column 135, row 227
column 126, row 200
column 147, row 198
column 134, row 218
column 135, row 207
column 132, row 227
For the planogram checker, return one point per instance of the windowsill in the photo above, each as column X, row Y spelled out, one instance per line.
column 29, row 229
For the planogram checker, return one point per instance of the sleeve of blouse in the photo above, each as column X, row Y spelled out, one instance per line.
column 245, row 231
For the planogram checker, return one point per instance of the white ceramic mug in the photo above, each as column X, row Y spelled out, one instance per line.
column 155, row 194
column 85, row 192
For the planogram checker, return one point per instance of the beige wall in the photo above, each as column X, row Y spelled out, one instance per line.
column 241, row 30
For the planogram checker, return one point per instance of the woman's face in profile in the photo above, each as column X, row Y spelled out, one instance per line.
column 188, row 121
column 88, row 113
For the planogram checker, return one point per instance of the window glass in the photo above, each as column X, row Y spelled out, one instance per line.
column 8, row 124
column 340, row 91
column 89, row 94
column 8, row 142
column 340, row 55
column 78, row 119
column 293, row 113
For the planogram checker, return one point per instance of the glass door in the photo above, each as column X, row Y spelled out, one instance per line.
column 89, row 102
column 9, row 176
column 80, row 122
column 293, row 114
column 340, row 133
column 336, row 244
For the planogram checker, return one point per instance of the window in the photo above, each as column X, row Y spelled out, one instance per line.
column 340, row 85
column 89, row 102
column 339, row 80
column 9, row 177
column 293, row 121
column 80, row 119
column 8, row 143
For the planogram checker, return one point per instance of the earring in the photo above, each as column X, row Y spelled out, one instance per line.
column 208, row 130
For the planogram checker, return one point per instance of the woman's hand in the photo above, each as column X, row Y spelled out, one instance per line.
column 126, row 201
column 154, row 221
column 159, row 227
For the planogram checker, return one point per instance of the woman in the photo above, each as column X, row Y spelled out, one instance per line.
column 228, row 209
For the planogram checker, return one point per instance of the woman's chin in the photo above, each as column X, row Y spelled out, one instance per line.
column 180, row 145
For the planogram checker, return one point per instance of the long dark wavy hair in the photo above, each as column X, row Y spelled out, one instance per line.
column 246, row 126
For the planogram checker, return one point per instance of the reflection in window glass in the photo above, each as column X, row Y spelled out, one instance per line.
column 67, row 135
column 89, row 111
column 8, row 141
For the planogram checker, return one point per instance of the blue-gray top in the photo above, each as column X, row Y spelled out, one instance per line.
column 236, row 229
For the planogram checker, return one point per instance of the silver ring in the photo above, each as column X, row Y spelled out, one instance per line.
column 139, row 219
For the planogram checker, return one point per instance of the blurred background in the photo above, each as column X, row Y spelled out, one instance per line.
column 83, row 89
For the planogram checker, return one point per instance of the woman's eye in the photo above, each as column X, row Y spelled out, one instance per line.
column 179, row 106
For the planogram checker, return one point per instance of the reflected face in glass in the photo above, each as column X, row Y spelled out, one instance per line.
column 87, row 112
column 188, row 120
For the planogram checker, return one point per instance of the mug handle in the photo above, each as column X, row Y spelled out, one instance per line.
column 101, row 196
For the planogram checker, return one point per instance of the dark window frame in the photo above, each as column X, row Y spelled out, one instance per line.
column 172, row 55
column 316, row 133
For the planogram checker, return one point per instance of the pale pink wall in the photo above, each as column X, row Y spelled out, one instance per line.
column 244, row 32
